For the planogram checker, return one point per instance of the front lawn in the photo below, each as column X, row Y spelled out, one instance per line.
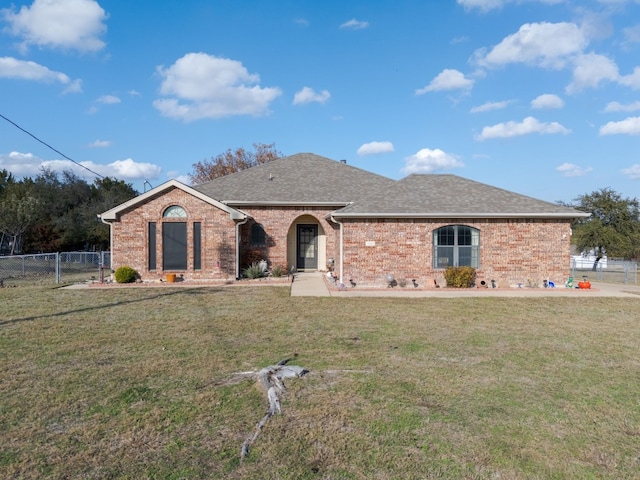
column 144, row 383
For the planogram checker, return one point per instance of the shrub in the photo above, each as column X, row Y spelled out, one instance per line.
column 278, row 271
column 252, row 256
column 126, row 275
column 460, row 277
column 253, row 271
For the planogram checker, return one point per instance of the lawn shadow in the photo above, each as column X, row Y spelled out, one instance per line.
column 182, row 291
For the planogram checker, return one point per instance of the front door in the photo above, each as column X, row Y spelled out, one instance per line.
column 307, row 247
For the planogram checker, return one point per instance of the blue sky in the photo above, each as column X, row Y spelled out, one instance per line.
column 541, row 97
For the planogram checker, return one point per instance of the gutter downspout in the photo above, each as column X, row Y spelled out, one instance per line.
column 246, row 219
column 110, row 241
column 341, row 264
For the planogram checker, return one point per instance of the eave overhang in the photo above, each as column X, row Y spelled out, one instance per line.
column 460, row 215
column 114, row 214
column 246, row 203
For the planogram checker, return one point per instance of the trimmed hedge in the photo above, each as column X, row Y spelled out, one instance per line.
column 126, row 275
column 460, row 277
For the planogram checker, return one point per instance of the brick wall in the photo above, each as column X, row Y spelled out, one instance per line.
column 130, row 240
column 280, row 227
column 511, row 251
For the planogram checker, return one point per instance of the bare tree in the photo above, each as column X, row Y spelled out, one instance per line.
column 233, row 161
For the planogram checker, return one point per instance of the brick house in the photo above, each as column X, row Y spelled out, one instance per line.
column 310, row 212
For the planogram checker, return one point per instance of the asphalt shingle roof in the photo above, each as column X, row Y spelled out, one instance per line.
column 303, row 178
column 450, row 195
column 308, row 179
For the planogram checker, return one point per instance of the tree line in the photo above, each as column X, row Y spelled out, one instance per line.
column 56, row 212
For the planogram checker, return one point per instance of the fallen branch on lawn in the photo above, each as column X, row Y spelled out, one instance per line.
column 271, row 380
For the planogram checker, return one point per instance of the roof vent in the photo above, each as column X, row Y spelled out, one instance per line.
column 343, row 161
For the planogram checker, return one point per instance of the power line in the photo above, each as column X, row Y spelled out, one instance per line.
column 47, row 145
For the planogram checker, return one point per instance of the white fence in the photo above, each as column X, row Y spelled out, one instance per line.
column 55, row 267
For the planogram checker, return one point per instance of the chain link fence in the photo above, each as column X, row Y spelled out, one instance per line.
column 609, row 271
column 65, row 267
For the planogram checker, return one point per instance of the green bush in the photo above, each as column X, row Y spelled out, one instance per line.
column 253, row 271
column 278, row 271
column 460, row 277
column 126, row 275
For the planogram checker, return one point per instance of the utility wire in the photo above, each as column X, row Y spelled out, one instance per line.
column 47, row 145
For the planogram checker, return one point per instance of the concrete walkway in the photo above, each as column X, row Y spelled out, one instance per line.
column 312, row 284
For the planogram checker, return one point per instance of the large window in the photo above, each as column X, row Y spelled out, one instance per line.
column 174, row 239
column 456, row 246
column 174, row 246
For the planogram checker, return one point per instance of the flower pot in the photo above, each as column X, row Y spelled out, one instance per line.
column 171, row 277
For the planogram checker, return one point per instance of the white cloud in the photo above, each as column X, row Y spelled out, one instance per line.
column 633, row 172
column 572, row 170
column 129, row 170
column 619, row 107
column 448, row 79
column 514, row 129
column 100, row 144
column 66, row 24
column 487, row 5
column 590, row 70
column 632, row 80
column 354, row 24
column 181, row 178
column 26, row 70
column 547, row 100
column 309, row 95
column 28, row 165
column 482, row 5
column 120, row 169
column 373, row 148
column 548, row 45
column 628, row 126
column 74, row 87
column 631, row 35
column 485, row 107
column 427, row 161
column 20, row 164
column 108, row 99
column 204, row 86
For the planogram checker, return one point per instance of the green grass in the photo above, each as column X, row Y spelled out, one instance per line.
column 131, row 383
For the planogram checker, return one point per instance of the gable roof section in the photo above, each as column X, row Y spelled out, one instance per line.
column 451, row 196
column 301, row 179
column 306, row 179
column 113, row 214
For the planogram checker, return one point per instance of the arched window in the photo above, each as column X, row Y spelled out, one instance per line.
column 456, row 246
column 258, row 237
column 175, row 211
